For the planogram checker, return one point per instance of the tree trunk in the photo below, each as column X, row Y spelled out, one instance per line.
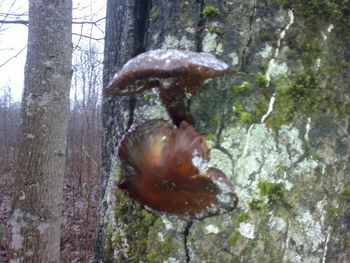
column 278, row 126
column 37, row 207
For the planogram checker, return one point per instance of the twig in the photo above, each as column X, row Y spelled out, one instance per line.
column 7, row 61
column 22, row 22
column 85, row 36
column 25, row 22
column 90, row 157
column 89, row 22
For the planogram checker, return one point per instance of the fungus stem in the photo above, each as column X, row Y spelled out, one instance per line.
column 175, row 103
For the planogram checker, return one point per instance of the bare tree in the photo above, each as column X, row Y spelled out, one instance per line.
column 82, row 171
column 12, row 13
column 9, row 120
column 90, row 74
column 41, row 159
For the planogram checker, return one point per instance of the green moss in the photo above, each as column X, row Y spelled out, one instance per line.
column 148, row 96
column 243, row 217
column 310, row 44
column 264, row 36
column 246, row 117
column 211, row 11
column 303, row 93
column 310, row 50
column 139, row 228
column 245, row 86
column 261, row 78
column 238, row 107
column 152, row 256
column 276, row 194
column 254, row 86
column 109, row 250
column 192, row 238
column 346, row 193
column 135, row 223
column 246, row 92
column 332, row 213
column 273, row 191
column 257, row 204
column 160, row 250
column 214, row 121
column 233, row 238
column 336, row 211
column 265, row 245
column 210, row 137
column 320, row 87
column 330, row 11
column 154, row 12
column 309, row 151
column 260, row 109
column 214, row 29
column 318, row 170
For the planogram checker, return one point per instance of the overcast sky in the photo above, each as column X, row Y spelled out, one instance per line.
column 13, row 37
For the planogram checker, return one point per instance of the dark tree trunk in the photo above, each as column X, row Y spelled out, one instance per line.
column 278, row 126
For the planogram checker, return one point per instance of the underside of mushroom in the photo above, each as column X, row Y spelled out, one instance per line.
column 167, row 170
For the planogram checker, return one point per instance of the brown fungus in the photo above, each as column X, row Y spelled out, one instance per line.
column 166, row 169
column 177, row 73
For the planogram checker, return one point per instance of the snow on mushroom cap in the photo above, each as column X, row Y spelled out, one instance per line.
column 163, row 63
column 180, row 58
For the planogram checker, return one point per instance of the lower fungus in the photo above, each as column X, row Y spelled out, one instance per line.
column 166, row 169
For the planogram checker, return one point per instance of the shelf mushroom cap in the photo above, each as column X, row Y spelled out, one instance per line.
column 167, row 170
column 164, row 68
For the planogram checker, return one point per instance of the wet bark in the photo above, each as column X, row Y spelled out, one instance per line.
column 277, row 125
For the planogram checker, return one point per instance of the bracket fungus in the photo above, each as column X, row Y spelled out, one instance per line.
column 166, row 169
column 177, row 73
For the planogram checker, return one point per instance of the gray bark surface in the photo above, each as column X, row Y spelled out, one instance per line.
column 37, row 205
column 278, row 126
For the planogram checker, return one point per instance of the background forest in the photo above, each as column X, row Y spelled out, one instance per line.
column 81, row 182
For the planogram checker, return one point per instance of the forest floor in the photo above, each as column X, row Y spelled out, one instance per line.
column 79, row 217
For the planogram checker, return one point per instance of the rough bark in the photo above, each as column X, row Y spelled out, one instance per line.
column 35, row 221
column 278, row 126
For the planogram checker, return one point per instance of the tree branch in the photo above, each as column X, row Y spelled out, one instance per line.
column 16, row 55
column 85, row 36
column 89, row 22
column 22, row 22
column 25, row 22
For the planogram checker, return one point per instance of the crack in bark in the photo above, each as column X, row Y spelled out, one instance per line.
column 141, row 14
column 186, row 234
column 217, row 140
column 199, row 27
column 250, row 38
column 221, row 126
column 132, row 106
